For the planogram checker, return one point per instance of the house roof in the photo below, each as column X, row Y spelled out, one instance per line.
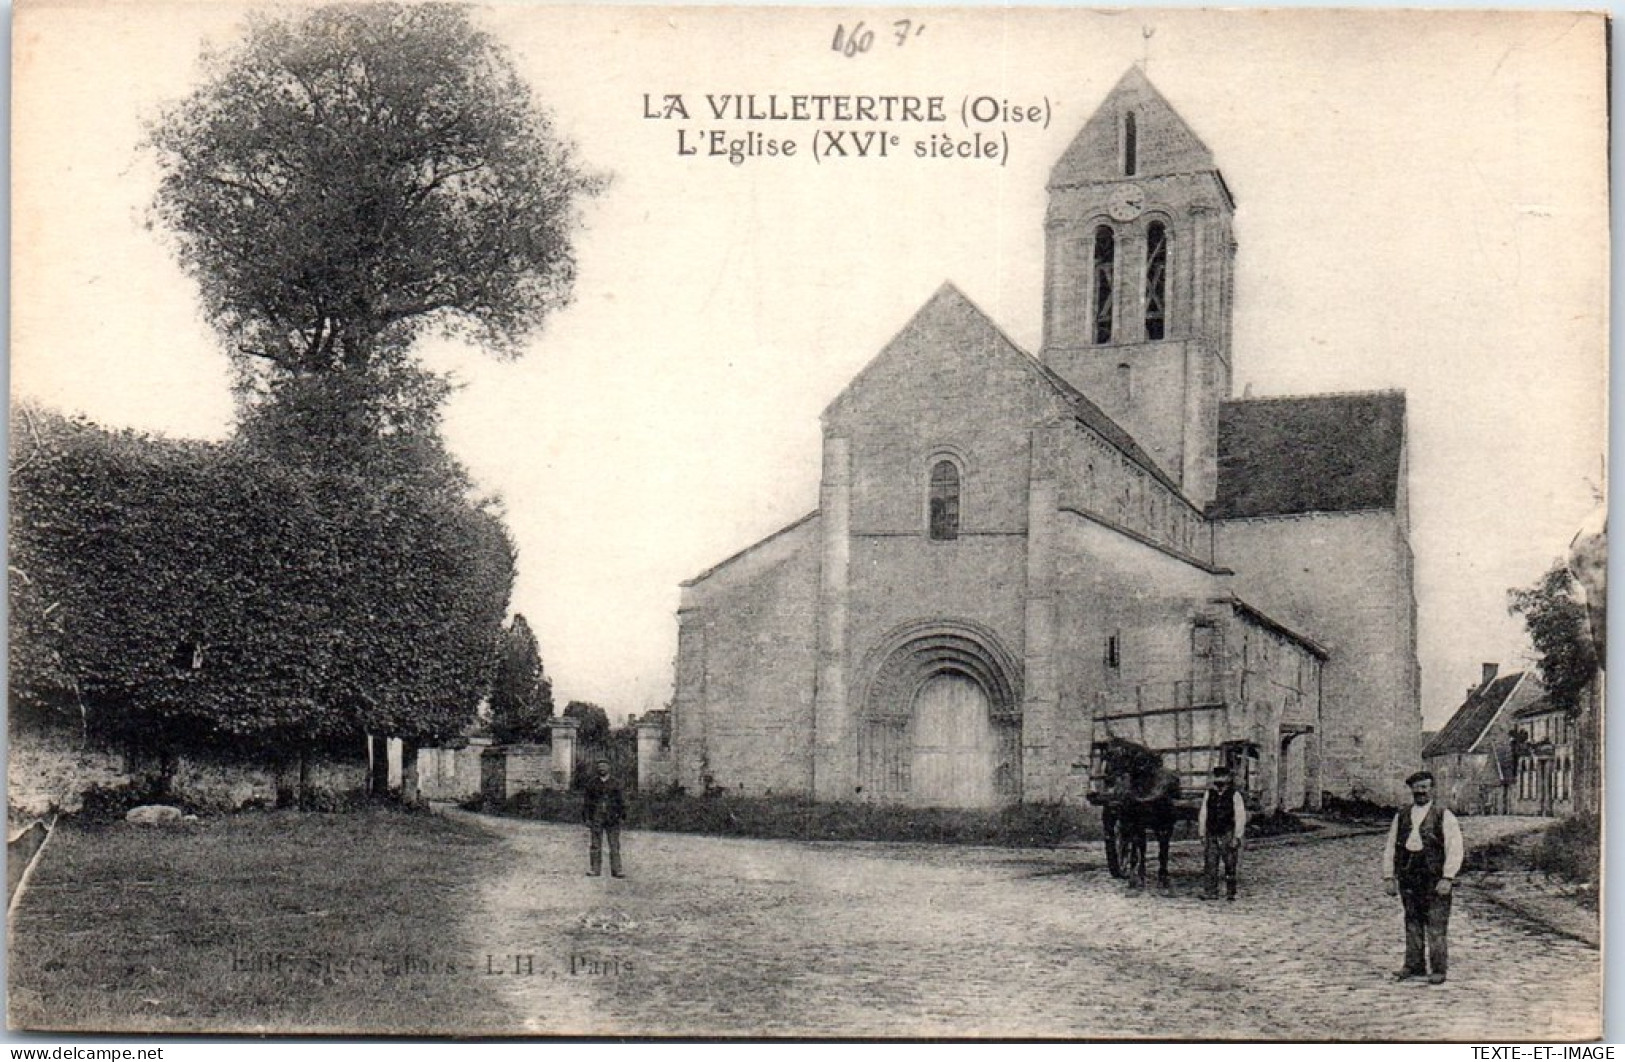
column 1474, row 716
column 1544, row 706
column 759, row 543
column 1264, row 620
column 1311, row 453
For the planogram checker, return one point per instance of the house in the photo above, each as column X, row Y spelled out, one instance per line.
column 1473, row 756
column 1543, row 744
column 1009, row 549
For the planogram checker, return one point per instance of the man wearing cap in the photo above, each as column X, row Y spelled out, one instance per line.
column 1419, row 865
column 603, row 809
column 1222, row 824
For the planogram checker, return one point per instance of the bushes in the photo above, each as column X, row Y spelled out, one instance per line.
column 1571, row 849
column 191, row 597
column 1037, row 825
column 802, row 819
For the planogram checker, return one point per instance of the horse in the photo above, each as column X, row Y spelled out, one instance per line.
column 1139, row 796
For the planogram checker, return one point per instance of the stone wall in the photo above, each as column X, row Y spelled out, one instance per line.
column 526, row 767
column 1344, row 578
column 450, row 773
column 1124, row 617
column 1469, row 783
column 50, row 769
column 1094, row 477
column 949, row 387
column 1273, row 683
column 505, row 771
column 745, row 671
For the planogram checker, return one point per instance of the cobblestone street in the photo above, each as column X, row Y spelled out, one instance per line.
column 717, row 936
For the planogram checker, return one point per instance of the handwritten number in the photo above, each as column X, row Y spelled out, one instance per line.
column 860, row 39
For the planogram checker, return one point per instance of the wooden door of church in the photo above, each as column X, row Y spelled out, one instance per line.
column 954, row 744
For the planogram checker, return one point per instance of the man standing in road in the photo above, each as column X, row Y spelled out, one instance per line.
column 603, row 809
column 1222, row 824
column 1419, row 865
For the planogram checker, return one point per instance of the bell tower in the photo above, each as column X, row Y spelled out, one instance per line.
column 1138, row 279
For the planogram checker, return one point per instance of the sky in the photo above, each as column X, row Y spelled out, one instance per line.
column 1421, row 204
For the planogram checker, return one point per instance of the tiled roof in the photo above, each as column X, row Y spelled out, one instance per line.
column 1314, row 453
column 1540, row 707
column 1473, row 717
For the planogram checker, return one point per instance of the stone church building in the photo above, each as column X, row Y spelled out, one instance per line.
column 1010, row 551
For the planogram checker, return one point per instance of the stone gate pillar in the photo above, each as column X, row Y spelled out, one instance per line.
column 654, row 759
column 563, row 732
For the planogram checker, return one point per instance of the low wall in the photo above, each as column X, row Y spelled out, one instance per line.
column 450, row 773
column 50, row 770
column 508, row 770
column 227, row 785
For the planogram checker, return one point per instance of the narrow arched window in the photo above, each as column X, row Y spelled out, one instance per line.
column 1156, row 280
column 1105, row 267
column 944, row 500
column 1131, row 145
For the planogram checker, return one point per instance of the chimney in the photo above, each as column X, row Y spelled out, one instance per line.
column 1489, row 674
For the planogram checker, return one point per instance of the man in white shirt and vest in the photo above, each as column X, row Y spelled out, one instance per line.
column 1221, row 823
column 1419, row 865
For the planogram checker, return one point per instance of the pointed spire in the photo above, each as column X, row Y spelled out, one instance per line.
column 1160, row 142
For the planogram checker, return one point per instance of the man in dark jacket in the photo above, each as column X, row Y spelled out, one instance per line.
column 603, row 809
column 1221, row 823
column 1420, row 860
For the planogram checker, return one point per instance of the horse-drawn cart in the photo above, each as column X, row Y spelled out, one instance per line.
column 1148, row 769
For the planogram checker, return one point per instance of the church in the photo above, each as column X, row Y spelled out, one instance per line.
column 1015, row 556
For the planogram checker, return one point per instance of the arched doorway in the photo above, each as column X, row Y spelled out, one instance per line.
column 941, row 721
column 953, row 744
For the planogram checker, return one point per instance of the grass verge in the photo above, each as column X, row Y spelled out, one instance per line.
column 277, row 922
column 1571, row 850
column 1568, row 850
column 1043, row 825
column 800, row 819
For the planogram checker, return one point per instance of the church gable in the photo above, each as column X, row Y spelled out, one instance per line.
column 946, row 409
column 1318, row 453
column 1134, row 133
column 949, row 350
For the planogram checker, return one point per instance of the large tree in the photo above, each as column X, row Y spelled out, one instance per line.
column 521, row 695
column 1557, row 626
column 342, row 182
column 351, row 177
